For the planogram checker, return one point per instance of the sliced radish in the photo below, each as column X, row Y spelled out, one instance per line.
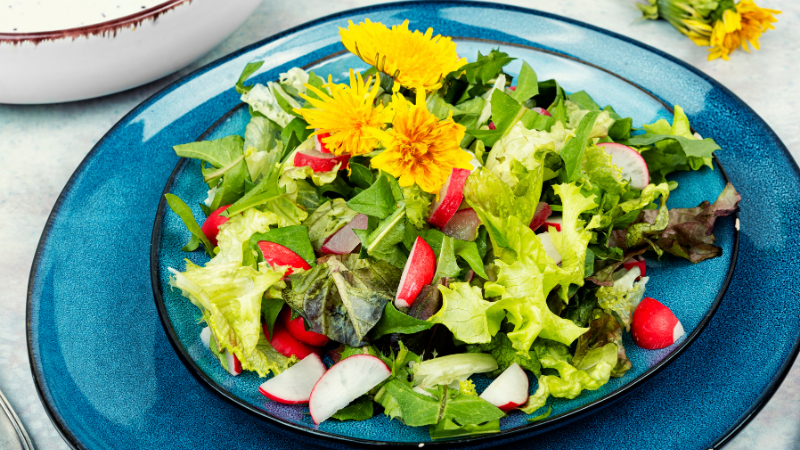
column 234, row 366
column 469, row 275
column 347, row 380
column 278, row 255
column 542, row 111
column 509, row 390
column 492, row 126
column 417, row 273
column 286, row 344
column 345, row 240
column 463, row 225
column 513, row 88
column 211, row 226
column 450, row 197
column 543, row 211
column 654, row 325
column 319, row 145
column 630, row 161
column 297, row 329
column 553, row 221
column 549, row 248
column 293, row 386
column 636, row 261
column 320, row 162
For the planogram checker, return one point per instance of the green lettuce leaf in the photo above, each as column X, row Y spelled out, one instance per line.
column 267, row 100
column 600, row 171
column 229, row 296
column 472, row 319
column 591, row 372
column 234, row 235
column 603, row 329
column 394, row 321
column 359, row 409
column 418, row 205
column 623, row 296
column 448, row 369
column 525, row 146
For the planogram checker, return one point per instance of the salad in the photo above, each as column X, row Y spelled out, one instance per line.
column 375, row 244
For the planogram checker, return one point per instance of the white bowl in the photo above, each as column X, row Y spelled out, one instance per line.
column 105, row 56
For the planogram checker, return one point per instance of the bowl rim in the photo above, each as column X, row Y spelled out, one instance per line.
column 556, row 421
column 104, row 28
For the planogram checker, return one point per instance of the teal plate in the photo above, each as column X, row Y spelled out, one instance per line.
column 675, row 282
column 109, row 377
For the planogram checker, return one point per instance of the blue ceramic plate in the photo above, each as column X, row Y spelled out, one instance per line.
column 691, row 291
column 110, row 379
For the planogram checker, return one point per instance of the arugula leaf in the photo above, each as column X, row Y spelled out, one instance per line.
column 527, row 84
column 294, row 237
column 382, row 243
column 691, row 147
column 359, row 409
column 584, row 100
column 219, row 152
column 394, row 321
column 248, row 70
column 293, row 134
column 468, row 251
column 573, row 151
column 318, row 82
column 185, row 213
column 377, row 201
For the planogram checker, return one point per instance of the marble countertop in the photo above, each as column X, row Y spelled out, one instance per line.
column 40, row 147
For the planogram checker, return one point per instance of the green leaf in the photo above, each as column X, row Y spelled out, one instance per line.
column 294, row 237
column 185, row 213
column 464, row 312
column 447, row 369
column 623, row 296
column 248, row 70
column 603, row 329
column 377, row 201
column 446, row 265
column 485, row 68
column 316, row 81
column 503, row 351
column 468, row 250
column 382, row 243
column 691, row 147
column 394, row 321
column 219, row 152
column 343, row 297
column 359, row 409
column 584, row 100
column 621, row 129
column 293, row 134
column 329, row 218
column 527, row 84
column 573, row 151
column 361, row 176
column 270, row 308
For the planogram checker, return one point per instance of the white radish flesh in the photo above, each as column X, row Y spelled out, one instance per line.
column 294, row 385
column 464, row 225
column 509, row 390
column 347, row 380
column 633, row 166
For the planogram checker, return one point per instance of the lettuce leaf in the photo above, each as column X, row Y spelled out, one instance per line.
column 526, row 146
column 600, row 171
column 343, row 297
column 690, row 231
column 265, row 100
column 667, row 148
column 229, row 296
column 472, row 319
column 234, row 235
column 418, row 205
column 603, row 329
column 623, row 296
column 590, row 373
column 447, row 369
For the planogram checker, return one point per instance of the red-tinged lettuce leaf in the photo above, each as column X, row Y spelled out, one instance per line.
column 690, row 231
column 603, row 329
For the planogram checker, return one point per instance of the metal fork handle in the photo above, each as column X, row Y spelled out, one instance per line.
column 24, row 439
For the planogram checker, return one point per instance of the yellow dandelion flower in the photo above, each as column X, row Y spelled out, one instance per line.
column 413, row 59
column 740, row 27
column 420, row 148
column 348, row 114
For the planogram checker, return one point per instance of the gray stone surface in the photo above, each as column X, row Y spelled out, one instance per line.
column 40, row 147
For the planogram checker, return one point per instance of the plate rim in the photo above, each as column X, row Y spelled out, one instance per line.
column 38, row 378
column 556, row 421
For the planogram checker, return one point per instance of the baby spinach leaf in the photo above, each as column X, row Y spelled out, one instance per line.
column 361, row 176
column 527, row 84
column 270, row 308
